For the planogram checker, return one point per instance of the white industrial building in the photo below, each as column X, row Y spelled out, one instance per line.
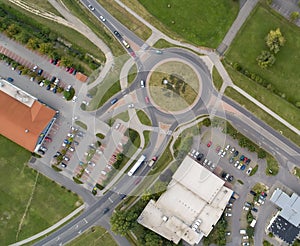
column 193, row 203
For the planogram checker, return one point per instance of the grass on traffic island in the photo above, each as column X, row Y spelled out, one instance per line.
column 217, row 79
column 174, row 86
column 95, row 235
column 272, row 167
column 143, row 117
column 25, row 200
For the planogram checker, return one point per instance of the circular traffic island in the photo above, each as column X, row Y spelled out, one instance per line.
column 173, row 86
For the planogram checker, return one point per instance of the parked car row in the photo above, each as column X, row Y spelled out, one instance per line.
column 199, row 157
column 70, row 70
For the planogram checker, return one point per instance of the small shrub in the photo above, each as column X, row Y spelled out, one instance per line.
column 77, row 181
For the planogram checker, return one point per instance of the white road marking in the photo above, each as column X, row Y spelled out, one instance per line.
column 85, row 221
column 110, row 200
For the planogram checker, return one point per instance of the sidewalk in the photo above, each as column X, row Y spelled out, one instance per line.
column 51, row 228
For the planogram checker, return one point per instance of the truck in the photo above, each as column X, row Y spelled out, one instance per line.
column 153, row 160
column 235, row 195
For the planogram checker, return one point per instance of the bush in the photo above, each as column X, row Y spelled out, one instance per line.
column 77, row 181
column 261, row 154
column 99, row 186
column 100, row 135
column 254, row 170
column 56, row 168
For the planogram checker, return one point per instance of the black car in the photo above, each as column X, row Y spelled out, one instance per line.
column 117, row 34
column 253, row 193
column 199, row 157
column 248, row 161
column 230, row 178
column 41, row 151
column 105, row 210
column 236, row 153
column 53, row 79
column 40, row 72
column 48, row 87
column 223, row 175
column 254, row 209
column 122, row 196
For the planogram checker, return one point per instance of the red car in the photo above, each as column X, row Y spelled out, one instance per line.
column 71, row 70
column 209, row 143
column 47, row 139
column 133, row 54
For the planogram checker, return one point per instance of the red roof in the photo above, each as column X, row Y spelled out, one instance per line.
column 23, row 124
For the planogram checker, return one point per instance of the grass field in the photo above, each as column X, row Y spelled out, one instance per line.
column 272, row 167
column 94, row 236
column 167, row 96
column 200, row 22
column 144, row 119
column 126, row 19
column 250, row 41
column 49, row 203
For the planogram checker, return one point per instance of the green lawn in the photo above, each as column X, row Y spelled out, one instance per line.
column 248, row 44
column 200, row 22
column 94, row 236
column 272, row 167
column 147, row 135
column 296, row 172
column 143, row 117
column 132, row 74
column 126, row 19
column 49, row 203
column 261, row 114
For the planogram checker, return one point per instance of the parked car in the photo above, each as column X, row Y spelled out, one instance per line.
column 9, row 79
column 113, row 101
column 227, row 147
column 40, row 72
column 105, row 210
column 209, row 143
column 227, row 233
column 228, row 214
column 237, row 163
column 199, row 157
column 218, row 148
column 254, row 209
column 122, row 196
column 232, row 150
column 41, row 152
column 248, row 161
column 236, row 153
column 243, row 167
column 231, row 160
column 249, row 171
column 253, row 193
column 242, row 157
column 48, row 139
column 43, row 148
column 64, row 165
column 230, row 179
column 223, row 153
column 66, row 158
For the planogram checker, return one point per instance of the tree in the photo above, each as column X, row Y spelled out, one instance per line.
column 12, row 30
column 121, row 223
column 294, row 16
column 274, row 40
column 297, row 104
column 243, row 142
column 33, row 43
column 261, row 154
column 265, row 59
column 152, row 238
column 45, row 48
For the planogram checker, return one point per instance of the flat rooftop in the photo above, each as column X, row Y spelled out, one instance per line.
column 194, row 193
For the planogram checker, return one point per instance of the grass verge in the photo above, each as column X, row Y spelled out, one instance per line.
column 81, row 124
column 43, row 4
column 144, row 119
column 254, row 170
column 217, row 79
column 47, row 196
column 95, row 235
column 126, row 19
column 261, row 114
column 132, row 74
column 201, row 22
column 147, row 135
column 272, row 167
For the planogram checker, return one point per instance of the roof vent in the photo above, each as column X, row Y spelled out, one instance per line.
column 26, row 130
column 165, row 218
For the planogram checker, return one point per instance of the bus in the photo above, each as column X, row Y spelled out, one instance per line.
column 137, row 165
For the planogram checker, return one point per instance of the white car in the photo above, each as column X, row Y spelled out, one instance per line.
column 196, row 154
column 117, row 126
column 205, row 162
column 228, row 214
column 227, row 147
column 66, row 158
column 237, row 163
column 223, row 154
column 43, row 148
column 102, row 18
column 193, row 152
column 131, row 105
column 246, row 208
column 70, row 135
column 91, row 7
column 41, row 84
column 249, row 171
column 86, row 103
column 209, row 163
column 74, row 99
column 71, row 149
column 220, row 152
column 87, row 171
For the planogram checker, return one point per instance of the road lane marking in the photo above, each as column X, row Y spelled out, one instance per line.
column 110, row 200
column 85, row 221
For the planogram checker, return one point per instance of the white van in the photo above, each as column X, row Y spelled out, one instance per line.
column 142, row 83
